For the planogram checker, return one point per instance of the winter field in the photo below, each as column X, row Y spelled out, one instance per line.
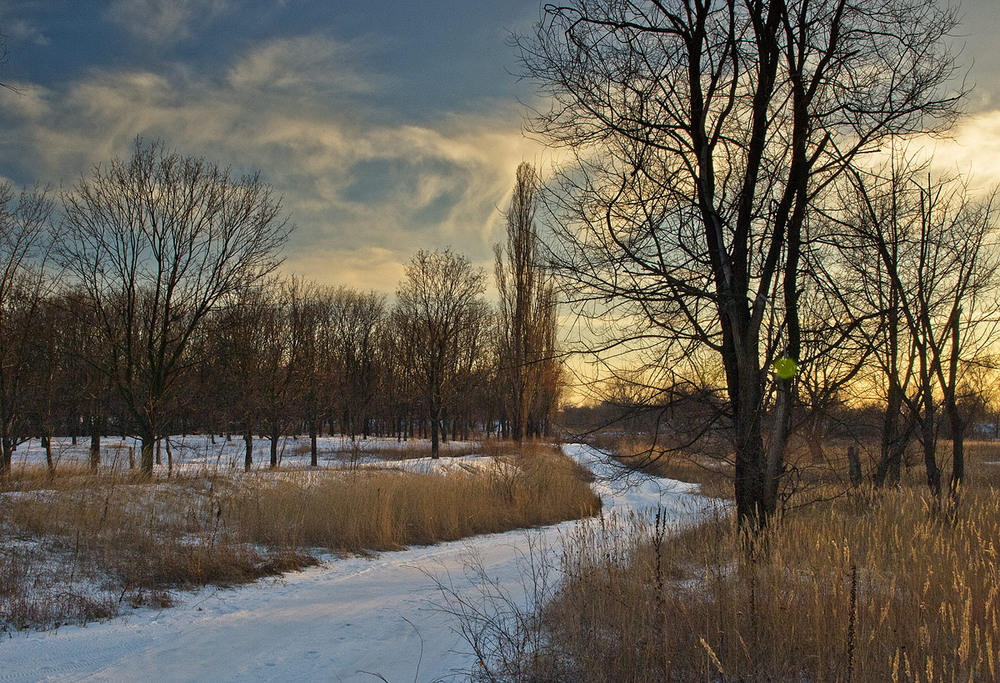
column 199, row 454
column 392, row 616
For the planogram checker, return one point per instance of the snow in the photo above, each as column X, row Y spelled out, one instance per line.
column 198, row 453
column 334, row 622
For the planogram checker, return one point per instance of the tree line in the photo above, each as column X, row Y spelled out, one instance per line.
column 147, row 301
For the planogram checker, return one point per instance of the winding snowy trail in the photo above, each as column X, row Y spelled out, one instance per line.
column 333, row 622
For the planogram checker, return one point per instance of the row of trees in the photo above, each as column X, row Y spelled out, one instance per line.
column 148, row 304
column 724, row 205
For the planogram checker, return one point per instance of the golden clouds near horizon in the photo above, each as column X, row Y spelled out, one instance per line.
column 971, row 149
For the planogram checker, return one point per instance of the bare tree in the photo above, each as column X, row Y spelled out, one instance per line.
column 280, row 355
column 702, row 135
column 528, row 366
column 351, row 357
column 935, row 264
column 24, row 249
column 438, row 301
column 158, row 241
column 235, row 364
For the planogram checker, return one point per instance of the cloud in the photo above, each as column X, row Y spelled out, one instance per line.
column 302, row 64
column 973, row 150
column 164, row 21
column 20, row 29
column 365, row 268
column 364, row 190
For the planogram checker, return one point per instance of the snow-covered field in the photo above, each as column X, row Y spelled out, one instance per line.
column 352, row 619
column 196, row 453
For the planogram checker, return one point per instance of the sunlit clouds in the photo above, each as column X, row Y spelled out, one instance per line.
column 365, row 193
column 972, row 150
column 385, row 132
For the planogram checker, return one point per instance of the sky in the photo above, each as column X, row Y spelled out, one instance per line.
column 387, row 126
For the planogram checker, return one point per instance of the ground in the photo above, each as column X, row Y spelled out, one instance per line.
column 350, row 619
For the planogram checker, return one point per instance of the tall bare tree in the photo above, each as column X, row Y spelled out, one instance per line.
column 702, row 133
column 158, row 241
column 936, row 262
column 438, row 301
column 352, row 343
column 527, row 313
column 234, row 367
column 24, row 248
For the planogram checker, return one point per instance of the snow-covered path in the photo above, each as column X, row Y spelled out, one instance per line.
column 332, row 622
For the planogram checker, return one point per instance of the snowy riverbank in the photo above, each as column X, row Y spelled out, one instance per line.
column 333, row 622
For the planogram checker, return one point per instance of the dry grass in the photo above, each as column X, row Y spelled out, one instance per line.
column 77, row 546
column 406, row 450
column 867, row 587
column 386, row 450
column 811, row 478
column 713, row 474
column 380, row 510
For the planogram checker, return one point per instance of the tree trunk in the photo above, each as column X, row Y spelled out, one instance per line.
column 274, row 444
column 313, row 449
column 47, row 445
column 930, row 456
column 743, row 371
column 893, row 442
column 248, row 455
column 775, row 465
column 148, row 443
column 6, row 456
column 435, row 438
column 854, row 465
column 957, row 450
column 95, row 444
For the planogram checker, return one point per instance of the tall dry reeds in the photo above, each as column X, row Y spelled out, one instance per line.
column 875, row 587
column 379, row 510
